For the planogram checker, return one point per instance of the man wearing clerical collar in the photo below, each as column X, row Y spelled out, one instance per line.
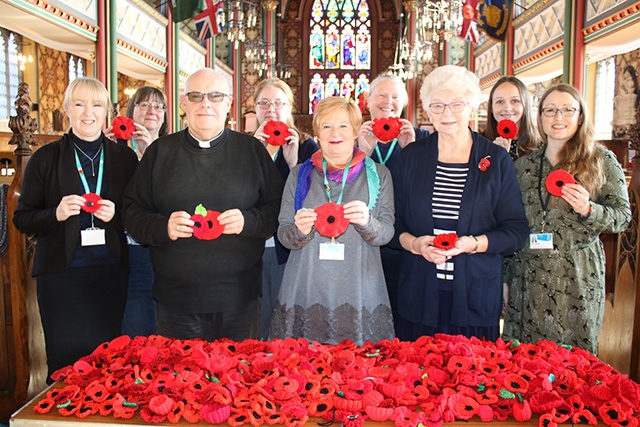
column 205, row 287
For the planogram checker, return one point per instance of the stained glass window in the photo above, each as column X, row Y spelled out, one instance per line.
column 9, row 72
column 339, row 49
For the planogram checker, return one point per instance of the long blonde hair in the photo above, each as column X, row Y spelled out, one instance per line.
column 288, row 93
column 581, row 155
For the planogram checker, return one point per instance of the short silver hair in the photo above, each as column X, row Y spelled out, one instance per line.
column 384, row 77
column 453, row 79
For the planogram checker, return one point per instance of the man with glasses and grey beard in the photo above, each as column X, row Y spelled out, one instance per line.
column 205, row 287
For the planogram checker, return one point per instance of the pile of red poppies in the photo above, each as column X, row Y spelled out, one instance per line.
column 427, row 382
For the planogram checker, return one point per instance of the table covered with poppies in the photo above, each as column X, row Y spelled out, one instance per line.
column 426, row 383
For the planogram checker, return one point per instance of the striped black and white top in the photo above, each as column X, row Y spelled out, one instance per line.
column 447, row 196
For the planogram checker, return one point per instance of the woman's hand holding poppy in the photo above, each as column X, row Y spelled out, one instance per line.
column 578, row 197
column 69, row 206
column 261, row 135
column 106, row 211
column 357, row 212
column 304, row 220
column 290, row 149
column 503, row 142
column 366, row 140
column 407, row 133
column 423, row 246
column 142, row 137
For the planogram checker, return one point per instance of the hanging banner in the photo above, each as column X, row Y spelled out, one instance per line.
column 494, row 18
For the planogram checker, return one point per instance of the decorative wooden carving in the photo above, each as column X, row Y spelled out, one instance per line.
column 14, row 377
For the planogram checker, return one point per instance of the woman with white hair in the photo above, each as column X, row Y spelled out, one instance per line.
column 458, row 212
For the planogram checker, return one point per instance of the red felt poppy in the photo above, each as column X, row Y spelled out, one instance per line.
column 91, row 204
column 445, row 241
column 123, row 127
column 484, row 164
column 207, row 227
column 330, row 221
column 278, row 132
column 507, row 129
column 556, row 180
column 386, row 128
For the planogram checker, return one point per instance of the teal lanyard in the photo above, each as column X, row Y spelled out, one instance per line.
column 85, row 184
column 134, row 145
column 326, row 181
column 391, row 148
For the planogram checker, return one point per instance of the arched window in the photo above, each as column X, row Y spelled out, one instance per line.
column 76, row 67
column 339, row 49
column 9, row 72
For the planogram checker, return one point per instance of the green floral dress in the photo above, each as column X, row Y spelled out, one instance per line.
column 558, row 294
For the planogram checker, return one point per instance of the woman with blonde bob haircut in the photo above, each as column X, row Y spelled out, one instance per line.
column 458, row 213
column 557, row 290
column 274, row 101
column 71, row 201
column 333, row 287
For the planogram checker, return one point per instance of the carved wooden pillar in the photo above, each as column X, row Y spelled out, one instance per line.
column 15, row 384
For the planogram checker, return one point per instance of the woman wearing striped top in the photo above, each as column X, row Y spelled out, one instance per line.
column 454, row 181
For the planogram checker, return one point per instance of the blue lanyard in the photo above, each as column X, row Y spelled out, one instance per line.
column 391, row 148
column 85, row 184
column 134, row 145
column 326, row 181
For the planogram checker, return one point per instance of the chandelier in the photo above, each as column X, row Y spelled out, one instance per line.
column 436, row 21
column 242, row 16
column 258, row 54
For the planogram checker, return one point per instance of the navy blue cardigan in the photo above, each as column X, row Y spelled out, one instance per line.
column 491, row 205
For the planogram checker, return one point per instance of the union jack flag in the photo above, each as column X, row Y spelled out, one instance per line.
column 211, row 20
column 468, row 29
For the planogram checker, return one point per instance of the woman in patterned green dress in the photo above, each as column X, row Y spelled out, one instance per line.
column 557, row 291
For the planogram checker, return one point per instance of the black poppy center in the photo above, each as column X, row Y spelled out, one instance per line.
column 276, row 132
column 386, row 127
column 123, row 127
column 331, row 219
column 445, row 244
column 560, row 183
column 90, row 203
column 197, row 224
column 210, row 223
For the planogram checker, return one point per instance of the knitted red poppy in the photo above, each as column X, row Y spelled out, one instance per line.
column 584, row 416
column 521, row 411
column 91, row 204
column 207, row 226
column 556, row 180
column 330, row 221
column 123, row 127
column 507, row 129
column 278, row 132
column 484, row 164
column 445, row 241
column 386, row 128
column 44, row 406
column 216, row 413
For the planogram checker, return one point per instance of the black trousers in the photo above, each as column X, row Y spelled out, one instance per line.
column 238, row 325
column 80, row 307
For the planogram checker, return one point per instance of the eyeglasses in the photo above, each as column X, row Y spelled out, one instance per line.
column 211, row 96
column 439, row 107
column 145, row 106
column 564, row 112
column 264, row 105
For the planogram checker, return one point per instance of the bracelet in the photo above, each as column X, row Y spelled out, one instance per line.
column 475, row 250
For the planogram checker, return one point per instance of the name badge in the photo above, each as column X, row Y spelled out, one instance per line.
column 541, row 241
column 92, row 237
column 332, row 251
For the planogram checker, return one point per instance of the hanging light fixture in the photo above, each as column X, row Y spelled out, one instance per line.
column 258, row 54
column 283, row 71
column 436, row 21
column 242, row 16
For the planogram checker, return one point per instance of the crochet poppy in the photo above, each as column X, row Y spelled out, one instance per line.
column 91, row 204
column 278, row 132
column 123, row 127
column 556, row 180
column 445, row 241
column 207, row 226
column 484, row 164
column 386, row 128
column 330, row 221
column 507, row 129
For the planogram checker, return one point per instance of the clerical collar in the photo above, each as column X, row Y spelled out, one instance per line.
column 209, row 143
